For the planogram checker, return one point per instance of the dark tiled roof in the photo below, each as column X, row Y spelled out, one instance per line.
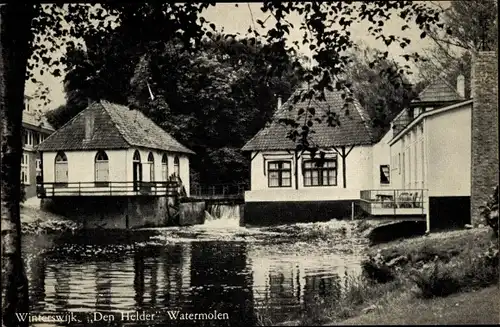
column 37, row 119
column 438, row 91
column 354, row 128
column 115, row 127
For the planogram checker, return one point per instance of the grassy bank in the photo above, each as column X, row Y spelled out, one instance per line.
column 432, row 279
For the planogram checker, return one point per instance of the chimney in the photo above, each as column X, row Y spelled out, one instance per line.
column 279, row 102
column 484, row 131
column 461, row 86
column 89, row 126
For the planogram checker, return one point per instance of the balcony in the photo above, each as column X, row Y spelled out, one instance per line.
column 138, row 188
column 403, row 202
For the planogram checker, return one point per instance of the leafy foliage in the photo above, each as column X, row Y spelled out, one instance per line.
column 383, row 90
column 490, row 212
column 472, row 26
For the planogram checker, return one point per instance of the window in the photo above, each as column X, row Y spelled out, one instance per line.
column 385, row 174
column 399, row 163
column 101, row 164
column 28, row 138
column 38, row 167
column 137, row 156
column 164, row 168
column 324, row 175
column 279, row 174
column 151, row 163
column 25, row 177
column 61, row 168
column 177, row 168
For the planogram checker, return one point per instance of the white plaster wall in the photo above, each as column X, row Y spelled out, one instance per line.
column 359, row 166
column 382, row 156
column 396, row 154
column 183, row 163
column 81, row 166
column 449, row 152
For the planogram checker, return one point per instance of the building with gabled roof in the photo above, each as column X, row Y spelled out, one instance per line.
column 35, row 128
column 442, row 151
column 109, row 149
column 437, row 164
column 286, row 184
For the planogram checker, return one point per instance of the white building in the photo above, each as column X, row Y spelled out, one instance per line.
column 438, row 162
column 286, row 185
column 35, row 129
column 111, row 150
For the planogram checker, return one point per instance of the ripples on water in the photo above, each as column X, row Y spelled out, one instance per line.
column 217, row 266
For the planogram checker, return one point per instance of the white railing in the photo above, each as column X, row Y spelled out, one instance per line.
column 394, row 202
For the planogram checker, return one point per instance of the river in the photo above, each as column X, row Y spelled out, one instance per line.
column 229, row 275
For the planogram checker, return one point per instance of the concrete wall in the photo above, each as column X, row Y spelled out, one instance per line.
column 283, row 212
column 484, row 130
column 111, row 212
column 359, row 167
column 449, row 152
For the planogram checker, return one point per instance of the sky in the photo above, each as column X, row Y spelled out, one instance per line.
column 238, row 19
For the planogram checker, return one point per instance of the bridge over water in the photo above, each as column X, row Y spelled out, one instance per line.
column 218, row 193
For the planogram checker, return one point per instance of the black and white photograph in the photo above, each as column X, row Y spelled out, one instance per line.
column 249, row 163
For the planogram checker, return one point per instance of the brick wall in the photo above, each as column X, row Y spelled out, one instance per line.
column 484, row 168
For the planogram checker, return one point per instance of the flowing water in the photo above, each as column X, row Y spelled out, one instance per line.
column 230, row 275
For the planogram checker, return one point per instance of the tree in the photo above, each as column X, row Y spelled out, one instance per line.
column 472, row 26
column 376, row 92
column 14, row 53
column 21, row 24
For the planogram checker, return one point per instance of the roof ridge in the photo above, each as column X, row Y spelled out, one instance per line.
column 436, row 79
column 105, row 104
column 361, row 113
column 69, row 121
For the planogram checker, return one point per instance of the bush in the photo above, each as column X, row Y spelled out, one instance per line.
column 22, row 196
column 490, row 212
column 469, row 273
column 435, row 282
column 376, row 270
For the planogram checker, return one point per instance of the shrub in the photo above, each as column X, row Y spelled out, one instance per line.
column 22, row 196
column 376, row 270
column 466, row 273
column 435, row 282
column 490, row 212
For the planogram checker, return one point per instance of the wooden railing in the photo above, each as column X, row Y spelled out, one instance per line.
column 218, row 190
column 168, row 188
column 394, row 201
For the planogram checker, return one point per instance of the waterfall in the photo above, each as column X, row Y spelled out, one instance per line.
column 223, row 215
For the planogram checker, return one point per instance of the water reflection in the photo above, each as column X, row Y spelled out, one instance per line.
column 241, row 278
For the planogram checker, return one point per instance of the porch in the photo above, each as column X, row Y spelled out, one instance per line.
column 137, row 188
column 394, row 202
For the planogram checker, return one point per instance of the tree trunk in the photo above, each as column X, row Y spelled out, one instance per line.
column 15, row 41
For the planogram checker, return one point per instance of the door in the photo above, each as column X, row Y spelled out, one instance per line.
column 137, row 175
column 61, row 174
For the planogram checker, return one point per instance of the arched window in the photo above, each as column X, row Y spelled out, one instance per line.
column 164, row 167
column 177, row 169
column 61, row 169
column 101, row 167
column 137, row 156
column 151, row 162
column 136, row 170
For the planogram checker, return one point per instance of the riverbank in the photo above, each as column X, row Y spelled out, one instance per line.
column 36, row 221
column 434, row 279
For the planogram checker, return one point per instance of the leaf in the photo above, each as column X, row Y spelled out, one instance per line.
column 212, row 26
column 423, row 35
